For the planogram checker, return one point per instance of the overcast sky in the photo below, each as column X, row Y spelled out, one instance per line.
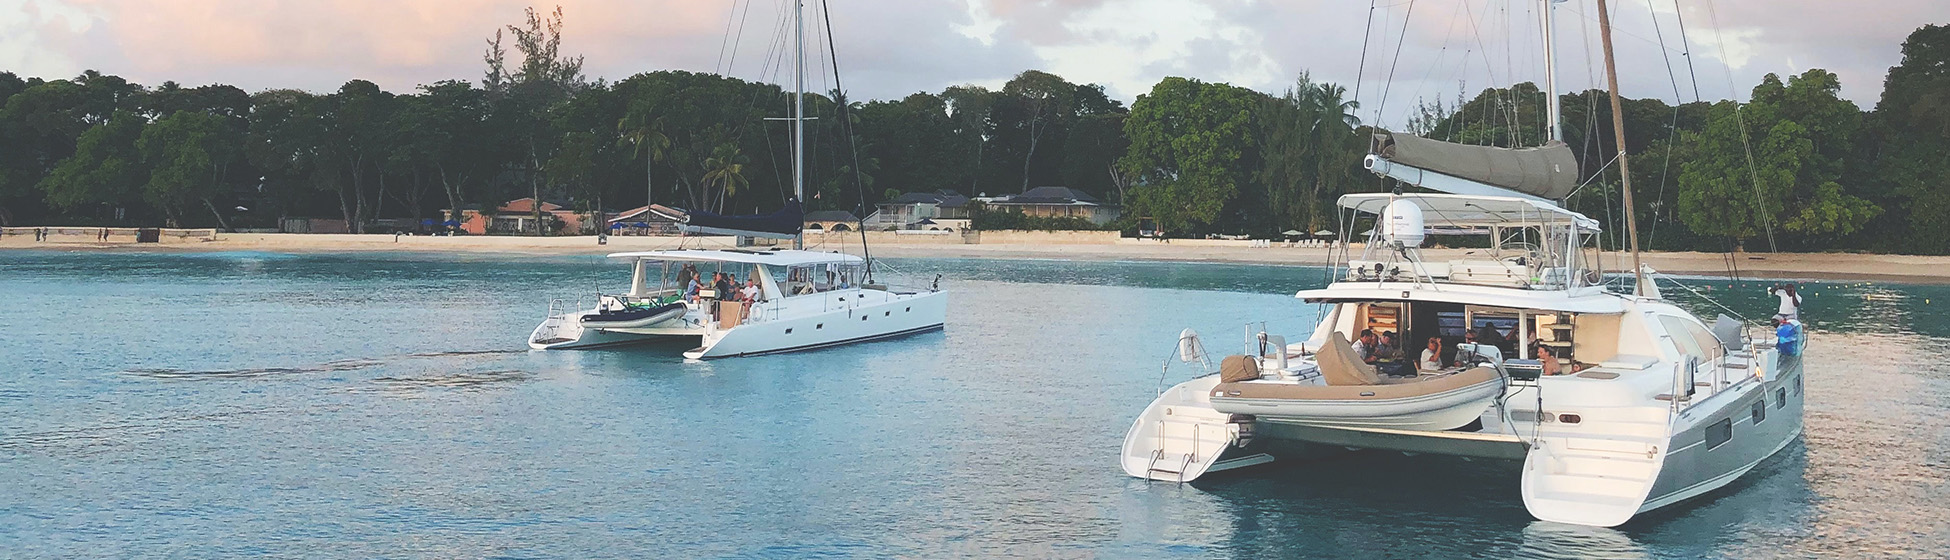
column 889, row 48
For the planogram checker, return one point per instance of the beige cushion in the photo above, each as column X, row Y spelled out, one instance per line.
column 1238, row 368
column 1341, row 366
column 1414, row 387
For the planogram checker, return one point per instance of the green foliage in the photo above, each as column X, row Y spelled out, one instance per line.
column 188, row 153
column 1910, row 136
column 105, row 169
column 1800, row 134
column 1312, row 153
column 1192, row 151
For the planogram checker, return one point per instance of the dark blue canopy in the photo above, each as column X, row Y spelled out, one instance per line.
column 783, row 224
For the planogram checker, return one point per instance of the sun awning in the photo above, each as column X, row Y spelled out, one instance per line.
column 1460, row 211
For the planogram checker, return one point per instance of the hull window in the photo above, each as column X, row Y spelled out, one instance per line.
column 1760, row 411
column 1780, row 398
column 1719, row 433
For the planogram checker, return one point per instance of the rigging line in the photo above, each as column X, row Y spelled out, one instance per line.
column 1688, row 44
column 1362, row 69
column 1616, row 31
column 1746, row 146
column 1390, row 83
column 1672, row 131
column 1594, row 177
column 729, row 16
column 846, row 123
column 1437, row 61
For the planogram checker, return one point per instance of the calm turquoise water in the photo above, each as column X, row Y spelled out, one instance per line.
column 232, row 404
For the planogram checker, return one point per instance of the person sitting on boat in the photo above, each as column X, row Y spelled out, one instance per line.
column 1432, row 357
column 1391, row 347
column 693, row 286
column 723, row 285
column 1365, row 346
column 1548, row 358
column 750, row 292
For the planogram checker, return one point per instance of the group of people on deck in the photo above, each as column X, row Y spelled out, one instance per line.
column 1385, row 349
column 724, row 286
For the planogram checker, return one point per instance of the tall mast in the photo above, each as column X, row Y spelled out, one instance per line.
column 1618, row 131
column 799, row 111
column 1554, row 111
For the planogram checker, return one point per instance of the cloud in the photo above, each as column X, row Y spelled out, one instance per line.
column 891, row 48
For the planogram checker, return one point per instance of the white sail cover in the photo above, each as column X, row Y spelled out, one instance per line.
column 1549, row 171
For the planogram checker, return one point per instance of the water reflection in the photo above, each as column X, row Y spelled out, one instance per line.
column 383, row 405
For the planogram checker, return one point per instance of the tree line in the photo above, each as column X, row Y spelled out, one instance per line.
column 1797, row 167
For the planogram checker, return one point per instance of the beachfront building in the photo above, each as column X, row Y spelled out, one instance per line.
column 644, row 220
column 1058, row 202
column 942, row 210
column 831, row 220
column 518, row 217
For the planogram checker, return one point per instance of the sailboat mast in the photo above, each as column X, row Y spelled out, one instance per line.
column 1554, row 110
column 799, row 111
column 1618, row 131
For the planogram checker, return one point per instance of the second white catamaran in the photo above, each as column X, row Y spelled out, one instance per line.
column 799, row 299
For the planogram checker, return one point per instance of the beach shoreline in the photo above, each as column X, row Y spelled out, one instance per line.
column 1810, row 266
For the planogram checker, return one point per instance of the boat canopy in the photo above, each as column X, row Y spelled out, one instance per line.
column 783, row 224
column 782, row 257
column 1549, row 171
column 1592, row 300
column 1454, row 211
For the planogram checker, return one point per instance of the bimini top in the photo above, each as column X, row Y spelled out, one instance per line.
column 1467, row 211
column 781, row 257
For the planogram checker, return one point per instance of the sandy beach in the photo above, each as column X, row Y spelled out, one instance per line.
column 1822, row 266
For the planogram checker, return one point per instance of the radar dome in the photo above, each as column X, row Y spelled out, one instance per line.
column 1401, row 222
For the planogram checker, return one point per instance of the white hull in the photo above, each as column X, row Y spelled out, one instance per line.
column 1179, row 437
column 827, row 319
column 1441, row 411
column 568, row 332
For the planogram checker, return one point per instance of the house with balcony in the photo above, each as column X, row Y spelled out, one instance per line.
column 944, row 210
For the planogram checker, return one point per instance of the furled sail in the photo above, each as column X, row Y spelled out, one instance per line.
column 783, row 224
column 1549, row 171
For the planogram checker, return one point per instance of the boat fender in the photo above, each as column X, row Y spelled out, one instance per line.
column 1245, row 423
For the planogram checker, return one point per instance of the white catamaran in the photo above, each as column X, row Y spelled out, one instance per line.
column 1615, row 402
column 801, row 299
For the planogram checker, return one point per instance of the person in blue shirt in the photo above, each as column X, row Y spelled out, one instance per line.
column 1788, row 334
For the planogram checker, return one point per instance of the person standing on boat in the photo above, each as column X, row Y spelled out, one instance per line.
column 1790, row 300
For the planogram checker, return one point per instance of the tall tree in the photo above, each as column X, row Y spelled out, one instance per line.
column 1041, row 102
column 1911, row 125
column 1192, row 151
column 190, row 153
column 1799, row 134
column 106, row 168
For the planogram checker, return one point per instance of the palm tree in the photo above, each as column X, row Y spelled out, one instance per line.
column 725, row 169
column 1333, row 146
column 645, row 136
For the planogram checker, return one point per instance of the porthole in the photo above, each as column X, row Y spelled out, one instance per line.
column 788, row 331
column 1570, row 418
column 1780, row 398
column 1719, row 433
column 1760, row 411
column 819, row 326
column 887, row 314
column 863, row 317
column 908, row 310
